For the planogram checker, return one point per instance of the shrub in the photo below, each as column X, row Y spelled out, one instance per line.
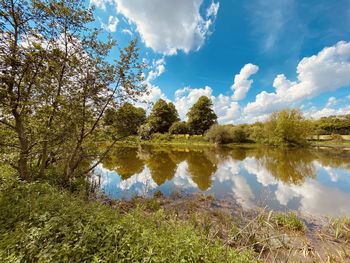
column 219, row 134
column 179, row 128
column 145, row 131
column 38, row 223
column 223, row 134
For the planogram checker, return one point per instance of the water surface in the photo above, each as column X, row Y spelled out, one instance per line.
column 313, row 181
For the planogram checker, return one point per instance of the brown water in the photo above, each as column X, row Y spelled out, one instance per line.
column 313, row 181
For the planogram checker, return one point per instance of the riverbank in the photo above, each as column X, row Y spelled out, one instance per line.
column 199, row 140
column 41, row 223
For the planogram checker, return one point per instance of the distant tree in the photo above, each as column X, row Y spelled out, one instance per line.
column 201, row 116
column 179, row 127
column 162, row 116
column 287, row 127
column 126, row 120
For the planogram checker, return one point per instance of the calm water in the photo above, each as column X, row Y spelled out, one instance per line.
column 312, row 181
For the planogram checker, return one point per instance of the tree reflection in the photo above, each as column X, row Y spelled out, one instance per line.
column 291, row 166
column 125, row 161
column 201, row 169
column 161, row 165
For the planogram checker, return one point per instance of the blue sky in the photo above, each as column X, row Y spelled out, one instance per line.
column 251, row 57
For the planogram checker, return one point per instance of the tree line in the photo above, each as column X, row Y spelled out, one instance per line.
column 287, row 127
column 163, row 118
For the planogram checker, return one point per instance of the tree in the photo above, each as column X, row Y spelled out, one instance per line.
column 201, row 116
column 287, row 127
column 179, row 127
column 126, row 120
column 162, row 116
column 55, row 85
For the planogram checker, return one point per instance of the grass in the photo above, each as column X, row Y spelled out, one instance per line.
column 290, row 221
column 39, row 223
column 340, row 228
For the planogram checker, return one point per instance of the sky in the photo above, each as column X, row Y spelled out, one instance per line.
column 250, row 57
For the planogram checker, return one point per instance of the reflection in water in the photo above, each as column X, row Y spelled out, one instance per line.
column 313, row 181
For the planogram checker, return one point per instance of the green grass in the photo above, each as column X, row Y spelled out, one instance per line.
column 39, row 223
column 340, row 227
column 290, row 221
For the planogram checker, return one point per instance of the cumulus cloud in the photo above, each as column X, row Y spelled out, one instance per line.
column 242, row 83
column 127, row 31
column 158, row 68
column 112, row 24
column 327, row 111
column 167, row 26
column 102, row 4
column 324, row 72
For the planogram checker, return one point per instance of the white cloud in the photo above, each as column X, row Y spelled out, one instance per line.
column 186, row 97
column 324, row 72
column 167, row 26
column 112, row 24
column 101, row 3
column 127, row 31
column 325, row 112
column 158, row 69
column 154, row 92
column 331, row 101
column 213, row 9
column 242, row 83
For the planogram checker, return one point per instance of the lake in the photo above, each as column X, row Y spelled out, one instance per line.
column 312, row 181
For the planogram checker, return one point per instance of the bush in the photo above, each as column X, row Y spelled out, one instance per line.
column 145, row 131
column 38, row 223
column 179, row 128
column 219, row 134
column 223, row 134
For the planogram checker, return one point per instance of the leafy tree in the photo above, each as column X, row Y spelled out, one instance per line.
column 179, row 128
column 55, row 85
column 286, row 127
column 126, row 120
column 201, row 116
column 162, row 116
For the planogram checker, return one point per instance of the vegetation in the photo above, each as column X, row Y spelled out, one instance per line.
column 126, row 120
column 201, row 116
column 40, row 224
column 162, row 116
column 55, row 86
column 224, row 134
column 290, row 221
column 179, row 127
column 286, row 127
column 333, row 125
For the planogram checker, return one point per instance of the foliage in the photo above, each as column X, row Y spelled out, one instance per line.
column 290, row 221
column 40, row 224
column 162, row 116
column 179, row 128
column 145, row 131
column 126, row 120
column 283, row 128
column 55, row 85
column 220, row 134
column 340, row 227
column 201, row 116
column 333, row 125
column 223, row 134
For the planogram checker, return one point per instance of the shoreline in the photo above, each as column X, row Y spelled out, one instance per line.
column 271, row 234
